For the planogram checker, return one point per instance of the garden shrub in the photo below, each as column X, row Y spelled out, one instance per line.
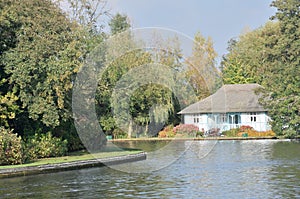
column 231, row 133
column 239, row 132
column 167, row 132
column 245, row 128
column 199, row 134
column 45, row 145
column 119, row 134
column 11, row 148
column 74, row 142
column 186, row 129
column 254, row 133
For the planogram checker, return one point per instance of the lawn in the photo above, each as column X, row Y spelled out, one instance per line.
column 108, row 152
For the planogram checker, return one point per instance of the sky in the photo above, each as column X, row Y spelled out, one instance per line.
column 219, row 19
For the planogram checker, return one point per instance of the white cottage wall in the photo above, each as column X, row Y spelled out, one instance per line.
column 259, row 121
column 199, row 120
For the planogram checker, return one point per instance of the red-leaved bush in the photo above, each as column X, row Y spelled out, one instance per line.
column 244, row 128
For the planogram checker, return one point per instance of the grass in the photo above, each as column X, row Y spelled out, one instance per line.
column 77, row 156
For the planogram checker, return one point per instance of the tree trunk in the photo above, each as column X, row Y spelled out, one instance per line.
column 130, row 129
column 147, row 129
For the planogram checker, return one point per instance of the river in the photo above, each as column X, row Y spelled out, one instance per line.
column 181, row 169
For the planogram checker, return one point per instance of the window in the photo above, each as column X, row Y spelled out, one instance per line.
column 196, row 119
column 253, row 117
column 223, row 118
column 235, row 119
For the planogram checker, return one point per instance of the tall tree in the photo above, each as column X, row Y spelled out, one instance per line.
column 8, row 98
column 202, row 72
column 41, row 64
column 283, row 75
column 247, row 59
column 41, row 51
column 154, row 105
column 270, row 56
column 143, row 107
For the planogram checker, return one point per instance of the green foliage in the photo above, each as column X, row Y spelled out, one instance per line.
column 234, row 72
column 45, row 145
column 231, row 133
column 41, row 64
column 270, row 56
column 149, row 103
column 282, row 85
column 8, row 108
column 119, row 23
column 199, row 134
column 67, row 131
column 144, row 100
column 119, row 134
column 247, row 61
column 41, row 50
column 113, row 73
column 11, row 148
column 8, row 98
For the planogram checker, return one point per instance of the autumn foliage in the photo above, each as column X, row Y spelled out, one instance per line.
column 249, row 131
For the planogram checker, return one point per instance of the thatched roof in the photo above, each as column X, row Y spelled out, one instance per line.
column 229, row 98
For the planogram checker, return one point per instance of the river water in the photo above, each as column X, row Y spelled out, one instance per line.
column 181, row 169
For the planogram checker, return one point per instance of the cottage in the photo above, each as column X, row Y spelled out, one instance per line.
column 232, row 106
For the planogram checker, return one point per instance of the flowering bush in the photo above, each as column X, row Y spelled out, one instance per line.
column 188, row 129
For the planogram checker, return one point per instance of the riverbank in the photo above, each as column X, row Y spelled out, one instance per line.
column 197, row 138
column 71, row 163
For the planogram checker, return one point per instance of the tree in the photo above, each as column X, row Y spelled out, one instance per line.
column 154, row 104
column 87, row 13
column 202, row 73
column 110, row 77
column 142, row 105
column 247, row 59
column 42, row 63
column 270, row 56
column 119, row 23
column 282, row 85
column 8, row 98
column 8, row 108
column 41, row 52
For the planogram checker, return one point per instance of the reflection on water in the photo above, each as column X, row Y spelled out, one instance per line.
column 225, row 169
